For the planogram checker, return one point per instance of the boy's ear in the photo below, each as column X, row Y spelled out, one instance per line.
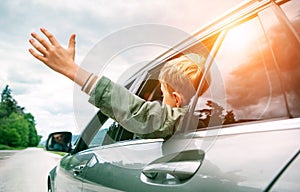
column 177, row 98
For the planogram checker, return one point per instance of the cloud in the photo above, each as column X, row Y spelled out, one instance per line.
column 256, row 86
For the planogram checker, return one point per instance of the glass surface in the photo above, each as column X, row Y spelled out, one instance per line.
column 283, row 32
column 248, row 76
column 99, row 137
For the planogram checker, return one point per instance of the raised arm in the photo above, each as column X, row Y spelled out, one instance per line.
column 58, row 58
column 148, row 119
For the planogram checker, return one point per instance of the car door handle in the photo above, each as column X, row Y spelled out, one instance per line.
column 78, row 170
column 182, row 165
column 180, row 170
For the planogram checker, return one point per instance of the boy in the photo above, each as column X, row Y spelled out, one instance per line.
column 179, row 79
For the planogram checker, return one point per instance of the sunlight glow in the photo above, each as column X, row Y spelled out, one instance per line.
column 240, row 38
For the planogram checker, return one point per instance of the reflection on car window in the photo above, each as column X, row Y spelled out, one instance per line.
column 100, row 135
column 251, row 91
column 292, row 13
column 109, row 133
column 285, row 46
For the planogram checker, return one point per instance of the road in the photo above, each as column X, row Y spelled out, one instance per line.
column 25, row 170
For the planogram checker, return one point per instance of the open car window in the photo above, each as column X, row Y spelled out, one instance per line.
column 110, row 131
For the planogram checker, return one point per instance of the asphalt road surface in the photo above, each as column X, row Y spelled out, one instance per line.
column 25, row 170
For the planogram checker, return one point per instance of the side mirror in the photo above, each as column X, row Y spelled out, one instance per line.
column 59, row 141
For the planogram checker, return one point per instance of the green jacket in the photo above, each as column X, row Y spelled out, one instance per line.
column 148, row 119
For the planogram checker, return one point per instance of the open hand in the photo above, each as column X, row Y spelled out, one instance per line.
column 55, row 56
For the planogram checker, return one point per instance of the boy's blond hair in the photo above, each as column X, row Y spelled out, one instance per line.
column 183, row 75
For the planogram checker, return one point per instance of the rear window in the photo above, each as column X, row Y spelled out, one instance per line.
column 254, row 75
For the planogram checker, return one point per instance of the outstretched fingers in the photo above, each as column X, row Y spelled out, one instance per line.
column 50, row 36
column 43, row 48
column 50, row 52
column 37, row 46
column 42, row 41
column 38, row 56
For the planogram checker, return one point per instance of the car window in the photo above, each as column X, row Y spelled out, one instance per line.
column 242, row 87
column 150, row 87
column 111, row 131
column 100, row 135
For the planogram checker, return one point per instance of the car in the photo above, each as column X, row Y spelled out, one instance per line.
column 247, row 137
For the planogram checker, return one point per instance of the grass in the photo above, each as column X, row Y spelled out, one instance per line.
column 58, row 153
column 5, row 147
column 55, row 152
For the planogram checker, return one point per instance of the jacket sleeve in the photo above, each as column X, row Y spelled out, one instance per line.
column 147, row 119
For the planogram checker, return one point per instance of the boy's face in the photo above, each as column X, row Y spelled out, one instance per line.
column 168, row 98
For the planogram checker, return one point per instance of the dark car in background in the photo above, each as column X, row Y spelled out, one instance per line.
column 248, row 136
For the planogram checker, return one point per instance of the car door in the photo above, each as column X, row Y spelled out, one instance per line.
column 119, row 157
column 118, row 166
column 70, row 172
column 129, row 164
column 71, row 169
column 287, row 179
column 246, row 157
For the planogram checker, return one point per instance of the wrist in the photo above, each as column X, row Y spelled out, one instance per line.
column 71, row 72
column 89, row 84
column 81, row 76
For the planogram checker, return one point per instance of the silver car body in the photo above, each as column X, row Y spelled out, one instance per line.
column 256, row 150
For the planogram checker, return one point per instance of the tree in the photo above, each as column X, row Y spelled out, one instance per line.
column 215, row 115
column 8, row 103
column 17, row 128
column 34, row 139
column 229, row 118
column 9, row 134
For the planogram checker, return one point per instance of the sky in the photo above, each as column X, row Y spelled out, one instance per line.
column 50, row 96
